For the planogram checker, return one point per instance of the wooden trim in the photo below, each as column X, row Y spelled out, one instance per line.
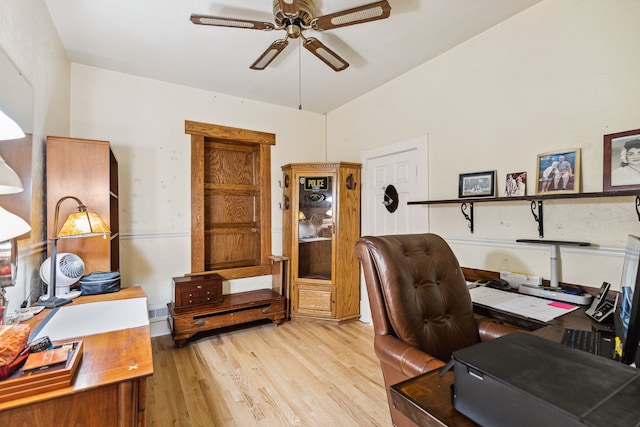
column 238, row 273
column 264, row 183
column 197, row 203
column 322, row 165
column 229, row 133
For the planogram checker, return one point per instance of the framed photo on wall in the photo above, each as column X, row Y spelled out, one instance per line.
column 478, row 184
column 621, row 168
column 558, row 172
column 516, row 184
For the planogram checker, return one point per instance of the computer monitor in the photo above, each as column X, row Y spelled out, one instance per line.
column 627, row 314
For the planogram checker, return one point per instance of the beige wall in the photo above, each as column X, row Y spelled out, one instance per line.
column 559, row 75
column 144, row 121
column 30, row 41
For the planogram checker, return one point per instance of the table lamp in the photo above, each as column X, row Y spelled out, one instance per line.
column 83, row 223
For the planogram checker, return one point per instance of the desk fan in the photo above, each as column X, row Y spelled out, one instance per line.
column 70, row 269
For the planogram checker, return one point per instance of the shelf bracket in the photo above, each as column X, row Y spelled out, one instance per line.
column 537, row 206
column 468, row 217
column 638, row 207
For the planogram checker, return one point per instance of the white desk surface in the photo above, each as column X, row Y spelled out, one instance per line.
column 524, row 305
column 94, row 318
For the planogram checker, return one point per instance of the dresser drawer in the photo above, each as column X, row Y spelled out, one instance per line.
column 196, row 292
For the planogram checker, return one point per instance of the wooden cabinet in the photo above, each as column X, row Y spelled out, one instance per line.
column 88, row 170
column 321, row 223
column 230, row 199
column 196, row 292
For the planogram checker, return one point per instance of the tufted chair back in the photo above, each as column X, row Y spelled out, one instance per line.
column 420, row 305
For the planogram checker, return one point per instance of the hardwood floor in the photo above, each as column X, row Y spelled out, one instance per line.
column 297, row 374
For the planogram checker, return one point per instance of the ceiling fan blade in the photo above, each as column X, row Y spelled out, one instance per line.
column 218, row 21
column 325, row 54
column 357, row 15
column 289, row 7
column 269, row 54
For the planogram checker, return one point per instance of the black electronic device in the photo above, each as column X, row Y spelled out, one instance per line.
column 627, row 311
column 499, row 284
column 558, row 385
column 40, row 344
column 600, row 308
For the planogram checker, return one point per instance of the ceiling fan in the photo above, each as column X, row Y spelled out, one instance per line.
column 296, row 16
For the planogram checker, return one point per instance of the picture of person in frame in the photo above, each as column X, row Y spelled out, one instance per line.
column 625, row 169
column 558, row 171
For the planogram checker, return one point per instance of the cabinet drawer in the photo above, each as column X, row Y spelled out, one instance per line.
column 199, row 296
column 190, row 324
column 314, row 300
column 196, row 292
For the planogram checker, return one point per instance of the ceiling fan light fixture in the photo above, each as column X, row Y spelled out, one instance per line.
column 296, row 16
column 289, row 7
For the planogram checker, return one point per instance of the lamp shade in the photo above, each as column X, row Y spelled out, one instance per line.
column 11, row 225
column 8, row 128
column 9, row 180
column 83, row 224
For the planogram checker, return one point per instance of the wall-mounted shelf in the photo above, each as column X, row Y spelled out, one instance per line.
column 466, row 204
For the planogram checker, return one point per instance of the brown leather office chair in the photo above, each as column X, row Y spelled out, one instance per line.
column 420, row 305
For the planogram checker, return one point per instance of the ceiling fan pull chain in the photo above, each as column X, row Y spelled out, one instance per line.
column 300, row 74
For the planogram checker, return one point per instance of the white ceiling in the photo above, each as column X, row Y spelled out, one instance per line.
column 155, row 39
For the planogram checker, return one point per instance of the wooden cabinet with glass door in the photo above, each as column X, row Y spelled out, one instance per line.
column 321, row 223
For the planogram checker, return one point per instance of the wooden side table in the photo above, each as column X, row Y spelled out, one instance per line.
column 410, row 397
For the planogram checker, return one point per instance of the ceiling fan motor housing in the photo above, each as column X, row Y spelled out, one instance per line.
column 305, row 14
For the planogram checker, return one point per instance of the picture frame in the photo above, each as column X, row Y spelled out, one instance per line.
column 477, row 184
column 515, row 184
column 621, row 161
column 558, row 172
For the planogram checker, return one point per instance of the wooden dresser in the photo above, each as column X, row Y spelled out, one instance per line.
column 109, row 388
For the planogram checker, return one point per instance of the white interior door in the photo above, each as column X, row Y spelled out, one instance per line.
column 403, row 165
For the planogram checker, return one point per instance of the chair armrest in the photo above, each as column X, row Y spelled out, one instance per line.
column 489, row 329
column 403, row 357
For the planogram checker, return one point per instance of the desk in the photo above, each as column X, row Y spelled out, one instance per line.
column 426, row 399
column 109, row 388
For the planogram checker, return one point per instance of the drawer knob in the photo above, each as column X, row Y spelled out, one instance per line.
column 199, row 286
column 199, row 322
column 266, row 310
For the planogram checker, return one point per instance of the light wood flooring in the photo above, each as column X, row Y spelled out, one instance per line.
column 297, row 374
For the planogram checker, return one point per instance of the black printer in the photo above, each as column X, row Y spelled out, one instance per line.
column 524, row 380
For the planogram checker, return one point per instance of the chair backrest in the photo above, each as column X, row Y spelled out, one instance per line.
column 417, row 292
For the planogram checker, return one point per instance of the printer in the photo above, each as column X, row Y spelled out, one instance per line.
column 524, row 380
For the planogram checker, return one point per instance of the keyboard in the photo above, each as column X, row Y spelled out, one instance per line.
column 588, row 341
